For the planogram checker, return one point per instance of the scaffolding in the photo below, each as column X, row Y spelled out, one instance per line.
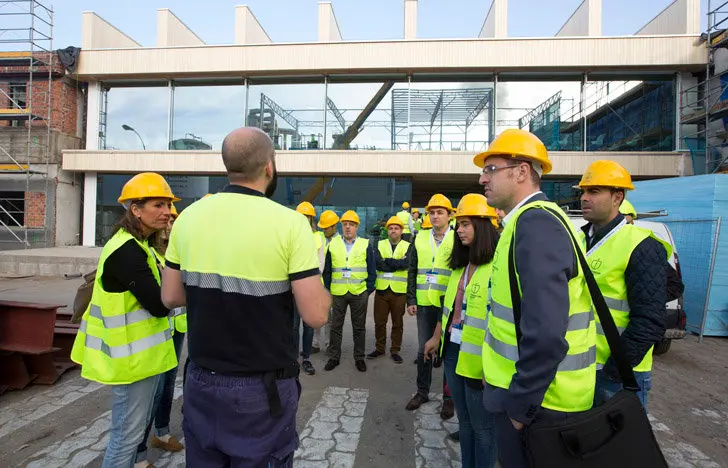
column 446, row 114
column 26, row 54
column 704, row 106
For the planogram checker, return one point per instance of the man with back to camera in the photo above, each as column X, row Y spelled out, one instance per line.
column 239, row 291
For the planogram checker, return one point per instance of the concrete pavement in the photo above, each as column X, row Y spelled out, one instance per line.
column 352, row 419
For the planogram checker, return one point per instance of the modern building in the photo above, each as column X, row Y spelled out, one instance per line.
column 369, row 124
column 41, row 114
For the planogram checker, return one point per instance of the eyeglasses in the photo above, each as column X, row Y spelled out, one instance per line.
column 491, row 169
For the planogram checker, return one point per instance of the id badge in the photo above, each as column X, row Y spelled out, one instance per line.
column 456, row 334
column 431, row 278
column 346, row 273
column 389, row 275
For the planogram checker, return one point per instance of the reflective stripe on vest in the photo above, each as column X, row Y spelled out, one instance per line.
column 180, row 319
column 118, row 342
column 572, row 389
column 430, row 294
column 470, row 362
column 355, row 262
column 398, row 279
column 608, row 260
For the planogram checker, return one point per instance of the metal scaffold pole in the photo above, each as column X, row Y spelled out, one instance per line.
column 26, row 44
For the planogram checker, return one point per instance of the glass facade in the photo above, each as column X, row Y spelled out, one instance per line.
column 373, row 198
column 397, row 112
column 550, row 109
column 631, row 116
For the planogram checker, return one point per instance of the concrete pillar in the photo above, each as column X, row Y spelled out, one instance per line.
column 410, row 19
column 89, row 209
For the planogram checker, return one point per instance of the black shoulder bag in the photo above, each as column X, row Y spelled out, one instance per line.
column 617, row 433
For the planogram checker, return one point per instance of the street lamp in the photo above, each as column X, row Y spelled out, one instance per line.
column 130, row 129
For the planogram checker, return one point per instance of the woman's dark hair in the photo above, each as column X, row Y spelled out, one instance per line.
column 481, row 250
column 133, row 226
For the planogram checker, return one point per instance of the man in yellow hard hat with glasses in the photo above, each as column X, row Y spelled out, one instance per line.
column 629, row 265
column 539, row 357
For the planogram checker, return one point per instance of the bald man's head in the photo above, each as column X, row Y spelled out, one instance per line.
column 245, row 153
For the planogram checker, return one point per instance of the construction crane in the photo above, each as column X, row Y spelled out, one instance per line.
column 344, row 140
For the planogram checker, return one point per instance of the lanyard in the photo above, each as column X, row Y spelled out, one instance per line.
column 466, row 281
column 434, row 246
column 607, row 236
column 349, row 251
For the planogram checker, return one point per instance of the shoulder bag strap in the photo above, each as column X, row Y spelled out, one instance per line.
column 610, row 329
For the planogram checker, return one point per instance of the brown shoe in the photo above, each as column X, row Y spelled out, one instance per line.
column 448, row 409
column 172, row 445
column 416, row 401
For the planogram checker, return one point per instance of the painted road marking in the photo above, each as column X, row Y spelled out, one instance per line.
column 331, row 436
column 678, row 453
column 18, row 415
column 82, row 446
column 433, row 449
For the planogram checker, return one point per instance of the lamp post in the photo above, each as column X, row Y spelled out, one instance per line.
column 130, row 129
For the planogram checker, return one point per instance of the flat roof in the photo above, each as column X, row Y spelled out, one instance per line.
column 453, row 58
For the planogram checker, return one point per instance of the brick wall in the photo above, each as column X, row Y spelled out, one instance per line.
column 35, row 209
column 63, row 94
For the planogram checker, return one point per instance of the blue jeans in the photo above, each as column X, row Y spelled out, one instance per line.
column 131, row 408
column 476, row 424
column 307, row 335
column 606, row 388
column 163, row 399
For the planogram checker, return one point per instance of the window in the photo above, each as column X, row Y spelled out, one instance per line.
column 12, row 208
column 18, row 93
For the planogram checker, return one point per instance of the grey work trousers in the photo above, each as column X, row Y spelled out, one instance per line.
column 358, row 305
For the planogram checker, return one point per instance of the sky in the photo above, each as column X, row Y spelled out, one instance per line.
column 296, row 20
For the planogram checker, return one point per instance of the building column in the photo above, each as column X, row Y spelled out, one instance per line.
column 89, row 209
column 88, row 229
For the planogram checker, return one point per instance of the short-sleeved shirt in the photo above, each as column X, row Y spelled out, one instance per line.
column 238, row 253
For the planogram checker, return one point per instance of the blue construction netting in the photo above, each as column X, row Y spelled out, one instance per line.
column 696, row 206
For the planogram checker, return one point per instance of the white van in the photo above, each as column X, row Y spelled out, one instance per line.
column 676, row 319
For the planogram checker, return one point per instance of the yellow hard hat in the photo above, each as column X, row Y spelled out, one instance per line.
column 405, row 205
column 475, row 204
column 146, row 185
column 173, row 211
column 415, row 210
column 605, row 173
column 306, row 208
column 328, row 218
column 426, row 224
column 517, row 143
column 439, row 200
column 207, row 195
column 350, row 216
column 626, row 208
column 395, row 220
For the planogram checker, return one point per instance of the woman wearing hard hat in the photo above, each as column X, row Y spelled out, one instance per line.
column 125, row 337
column 460, row 333
column 162, row 438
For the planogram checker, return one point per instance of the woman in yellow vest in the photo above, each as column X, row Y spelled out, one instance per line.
column 306, row 209
column 163, row 439
column 460, row 332
column 125, row 337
